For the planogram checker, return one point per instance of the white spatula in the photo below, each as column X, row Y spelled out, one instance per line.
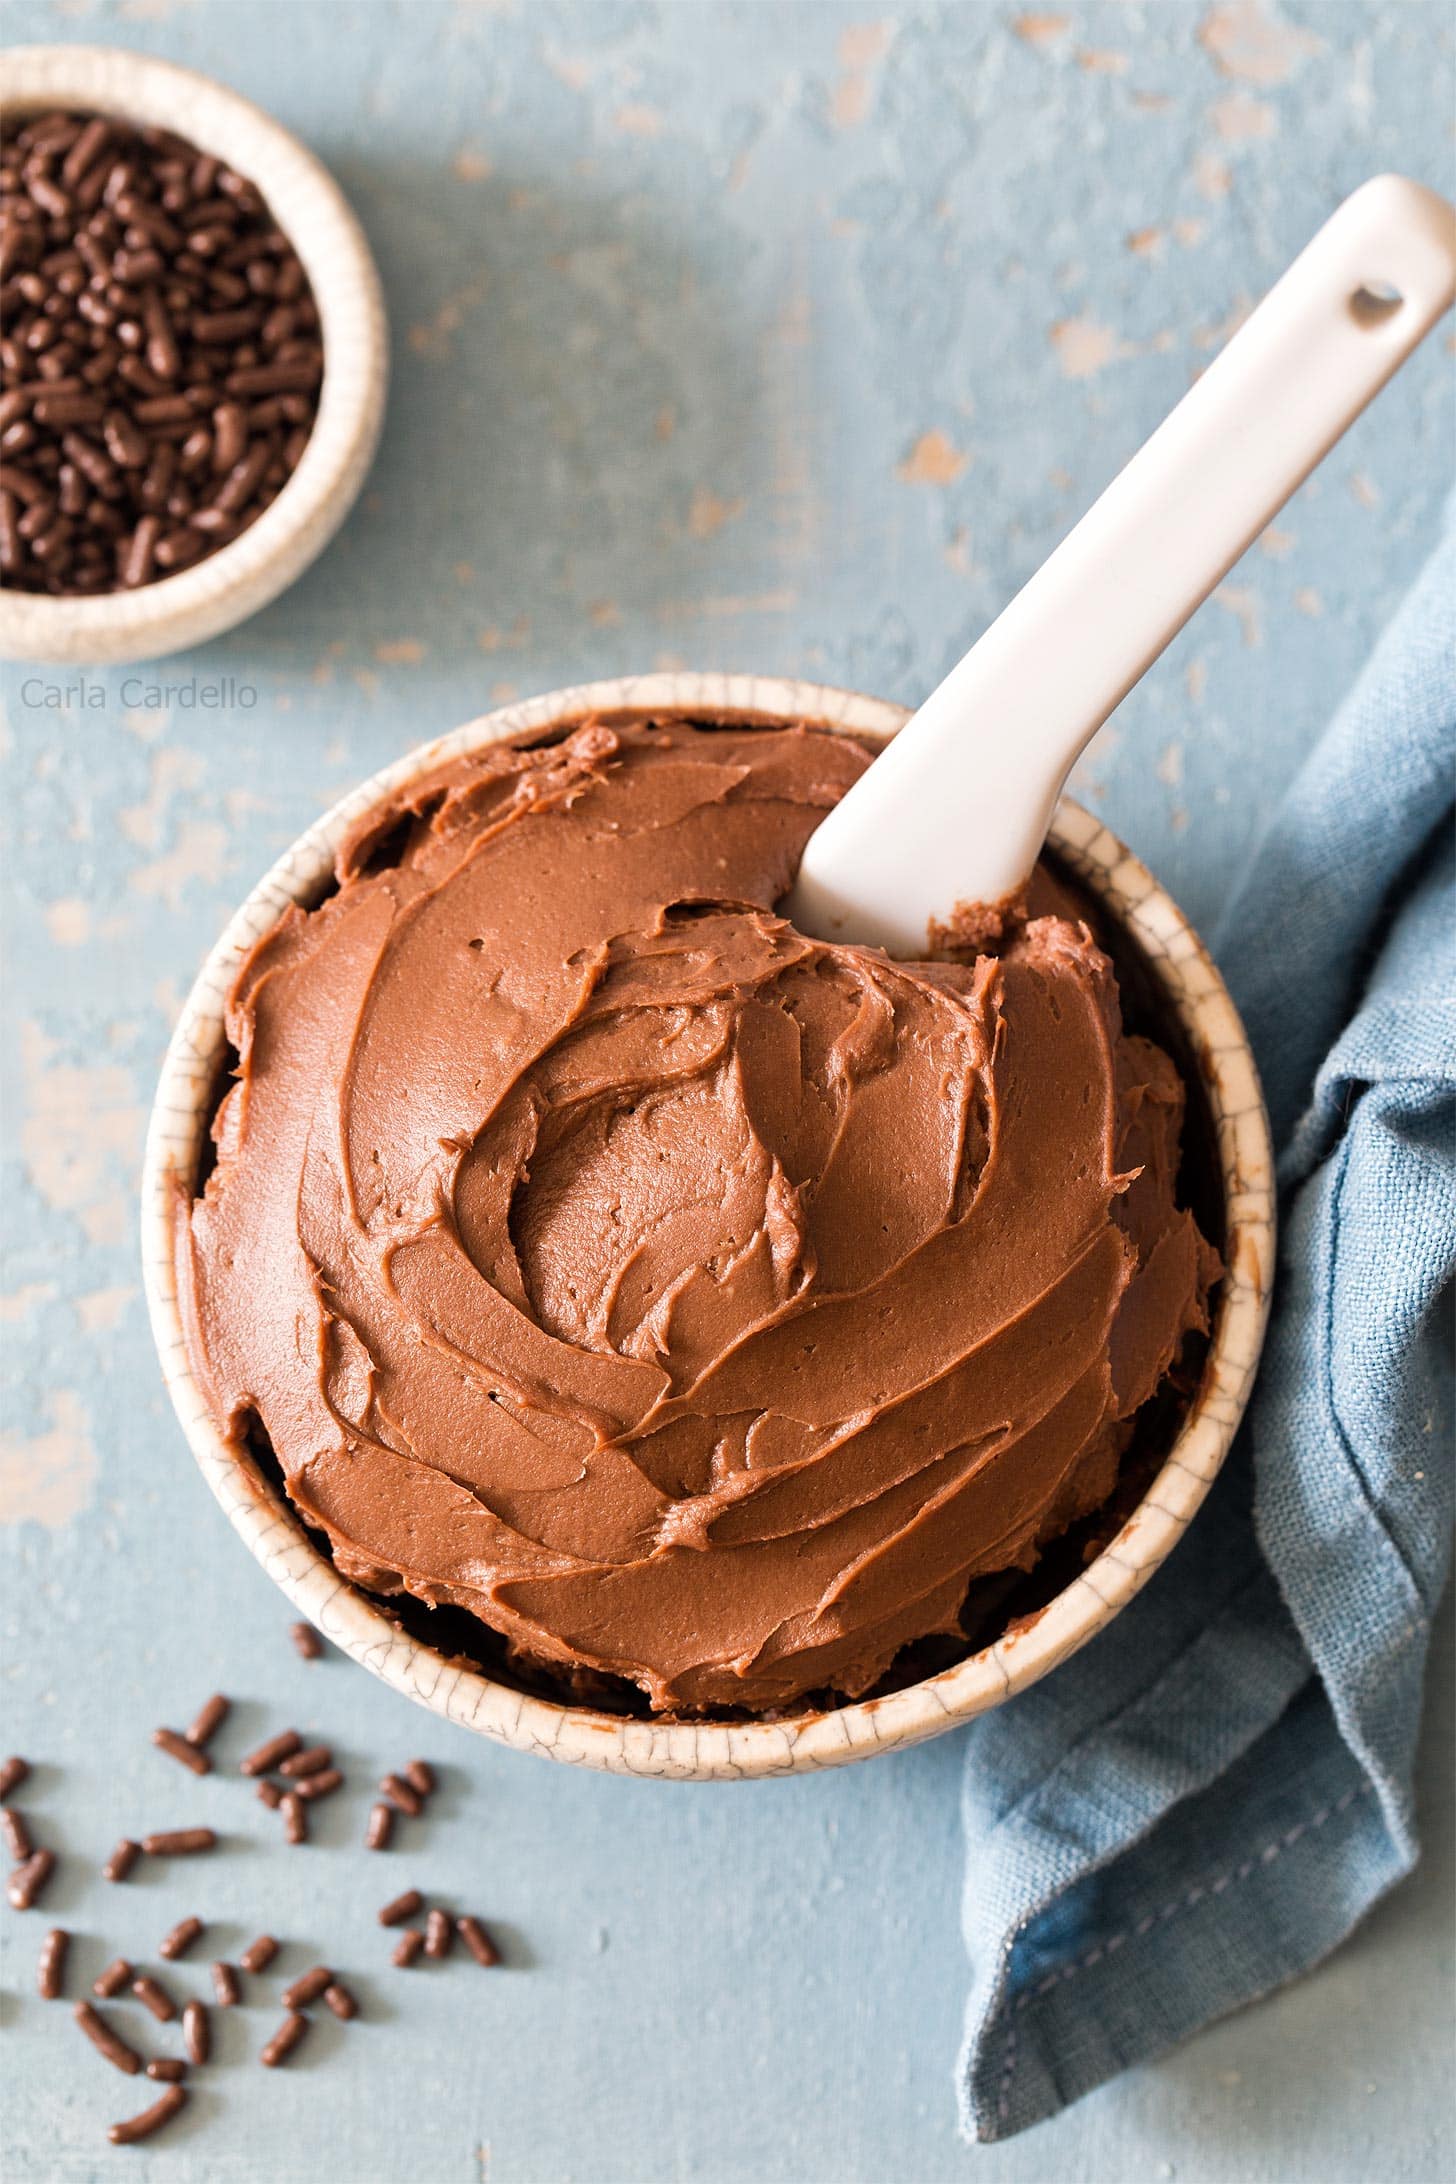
column 954, row 811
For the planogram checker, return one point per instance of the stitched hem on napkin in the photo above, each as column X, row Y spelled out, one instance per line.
column 1291, row 1828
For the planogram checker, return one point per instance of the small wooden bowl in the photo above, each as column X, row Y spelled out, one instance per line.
column 262, row 561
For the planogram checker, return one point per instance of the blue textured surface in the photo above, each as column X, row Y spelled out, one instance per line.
column 787, row 338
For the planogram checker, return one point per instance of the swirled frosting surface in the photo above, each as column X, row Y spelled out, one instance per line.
column 690, row 1300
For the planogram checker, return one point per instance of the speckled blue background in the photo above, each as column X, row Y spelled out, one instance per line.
column 779, row 336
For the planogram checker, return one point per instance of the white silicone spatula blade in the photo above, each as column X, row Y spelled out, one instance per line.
column 956, row 808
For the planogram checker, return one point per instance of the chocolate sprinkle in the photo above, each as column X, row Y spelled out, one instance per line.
column 167, row 1740
column 50, row 1972
column 401, row 1908
column 178, row 1842
column 477, row 1940
column 108, row 2042
column 312, row 1761
column 197, row 2032
column 284, row 2040
column 318, row 1785
column 180, row 1940
column 400, row 1794
column 307, row 1988
column 28, row 1881
column 209, row 1720
column 122, row 1859
column 151, row 2119
column 17, row 1834
column 259, row 1954
column 155, row 1997
column 268, row 1755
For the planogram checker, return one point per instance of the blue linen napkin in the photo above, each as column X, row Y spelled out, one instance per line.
column 1205, row 1800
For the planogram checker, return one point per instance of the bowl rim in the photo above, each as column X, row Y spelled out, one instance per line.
column 1192, row 989
column 243, row 576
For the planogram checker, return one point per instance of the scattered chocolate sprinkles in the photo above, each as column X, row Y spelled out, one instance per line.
column 306, row 1641
column 284, row 2040
column 209, row 1720
column 154, row 1996
column 50, row 1972
column 13, row 1772
column 151, row 2119
column 122, row 1859
column 400, row 1908
column 28, row 1881
column 161, row 361
column 106, row 2040
column 310, row 1774
column 197, row 2032
column 259, row 1954
column 179, row 1748
column 307, row 1988
column 477, row 1940
column 180, row 1940
column 268, row 1755
column 178, row 1842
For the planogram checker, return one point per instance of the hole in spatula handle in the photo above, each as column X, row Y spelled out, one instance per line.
column 1373, row 302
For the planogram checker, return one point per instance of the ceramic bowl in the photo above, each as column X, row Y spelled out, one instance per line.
column 1187, row 992
column 199, row 602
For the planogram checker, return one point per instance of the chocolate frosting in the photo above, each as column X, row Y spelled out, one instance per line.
column 688, row 1299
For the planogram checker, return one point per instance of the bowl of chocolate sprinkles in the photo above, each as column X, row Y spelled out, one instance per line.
column 193, row 357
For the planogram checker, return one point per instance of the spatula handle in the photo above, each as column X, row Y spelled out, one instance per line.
column 955, row 810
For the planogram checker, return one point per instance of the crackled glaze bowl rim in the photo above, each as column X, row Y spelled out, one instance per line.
column 702, row 1751
column 309, row 206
